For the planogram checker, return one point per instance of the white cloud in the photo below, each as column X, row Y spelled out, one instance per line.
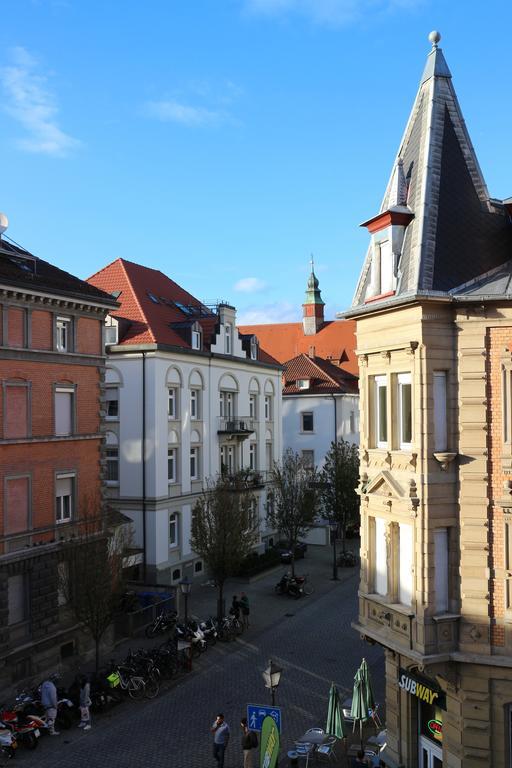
column 30, row 103
column 250, row 285
column 335, row 12
column 278, row 312
column 173, row 111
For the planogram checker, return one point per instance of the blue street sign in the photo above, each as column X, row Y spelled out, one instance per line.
column 256, row 715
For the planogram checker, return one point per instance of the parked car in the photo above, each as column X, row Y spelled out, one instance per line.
column 285, row 550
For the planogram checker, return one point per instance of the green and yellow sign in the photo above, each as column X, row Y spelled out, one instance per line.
column 269, row 743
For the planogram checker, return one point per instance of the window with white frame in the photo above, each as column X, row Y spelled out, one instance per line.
column 112, row 403
column 227, row 459
column 381, row 411
column 63, row 341
column 196, row 341
column 228, row 335
column 112, row 457
column 405, row 574
column 172, row 465
column 380, row 560
column 269, row 454
column 302, row 383
column 254, row 348
column 441, row 577
column 64, row 410
column 17, row 599
column 440, row 412
column 307, row 421
column 195, row 404
column 227, row 404
column 404, row 410
column 253, row 455
column 173, row 529
column 253, row 515
column 382, row 275
column 111, row 330
column 308, row 457
column 172, row 403
column 64, row 497
column 268, row 407
column 194, row 463
column 253, row 411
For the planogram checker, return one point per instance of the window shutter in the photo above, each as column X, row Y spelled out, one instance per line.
column 16, row 412
column 63, row 420
column 17, row 505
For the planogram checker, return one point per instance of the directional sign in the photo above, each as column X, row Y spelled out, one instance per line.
column 256, row 715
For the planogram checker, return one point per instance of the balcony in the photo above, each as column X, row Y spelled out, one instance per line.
column 246, row 478
column 241, row 427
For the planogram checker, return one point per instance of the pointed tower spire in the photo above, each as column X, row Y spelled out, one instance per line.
column 437, row 226
column 313, row 307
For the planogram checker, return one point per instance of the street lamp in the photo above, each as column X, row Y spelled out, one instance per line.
column 272, row 677
column 333, row 525
column 185, row 587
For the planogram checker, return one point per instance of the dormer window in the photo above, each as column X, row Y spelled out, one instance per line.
column 382, row 275
column 196, row 340
column 111, row 330
column 303, row 384
column 254, row 348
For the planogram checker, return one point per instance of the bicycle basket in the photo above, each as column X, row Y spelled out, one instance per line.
column 114, row 679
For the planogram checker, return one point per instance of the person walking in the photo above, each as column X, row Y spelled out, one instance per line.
column 244, row 607
column 235, row 607
column 85, row 703
column 220, row 730
column 49, row 702
column 249, row 742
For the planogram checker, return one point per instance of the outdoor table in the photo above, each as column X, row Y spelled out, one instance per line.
column 313, row 738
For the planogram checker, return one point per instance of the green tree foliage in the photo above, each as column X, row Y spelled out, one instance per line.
column 338, row 482
column 295, row 499
column 224, row 528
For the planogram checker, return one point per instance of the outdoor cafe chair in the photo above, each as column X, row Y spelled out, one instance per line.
column 304, row 750
column 314, row 730
column 327, row 749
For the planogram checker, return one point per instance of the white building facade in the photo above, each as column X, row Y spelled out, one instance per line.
column 176, row 417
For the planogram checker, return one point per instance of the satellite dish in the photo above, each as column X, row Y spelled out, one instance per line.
column 4, row 223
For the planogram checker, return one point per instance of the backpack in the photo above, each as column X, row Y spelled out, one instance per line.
column 253, row 736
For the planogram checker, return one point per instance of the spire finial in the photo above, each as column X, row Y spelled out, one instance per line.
column 434, row 38
column 312, row 262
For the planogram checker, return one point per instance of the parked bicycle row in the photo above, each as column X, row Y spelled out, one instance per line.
column 49, row 707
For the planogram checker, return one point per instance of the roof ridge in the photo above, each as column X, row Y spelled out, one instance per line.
column 103, row 269
column 313, row 360
column 136, row 298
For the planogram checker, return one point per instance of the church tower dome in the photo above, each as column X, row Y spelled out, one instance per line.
column 313, row 307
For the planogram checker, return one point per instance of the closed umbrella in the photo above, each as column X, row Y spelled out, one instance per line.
column 335, row 723
column 363, row 699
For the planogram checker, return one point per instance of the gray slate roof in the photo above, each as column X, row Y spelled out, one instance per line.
column 457, row 232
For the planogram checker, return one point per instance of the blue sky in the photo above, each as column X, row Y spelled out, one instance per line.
column 224, row 141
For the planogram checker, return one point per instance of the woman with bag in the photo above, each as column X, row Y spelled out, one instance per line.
column 249, row 742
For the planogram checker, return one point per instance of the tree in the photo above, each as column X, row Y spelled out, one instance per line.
column 224, row 528
column 338, row 482
column 295, row 498
column 91, row 576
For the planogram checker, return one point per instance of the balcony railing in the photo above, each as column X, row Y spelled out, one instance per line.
column 251, row 478
column 242, row 426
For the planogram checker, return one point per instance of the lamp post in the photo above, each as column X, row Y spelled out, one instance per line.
column 185, row 587
column 272, row 677
column 334, row 529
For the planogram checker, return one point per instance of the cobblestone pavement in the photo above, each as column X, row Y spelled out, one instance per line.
column 311, row 639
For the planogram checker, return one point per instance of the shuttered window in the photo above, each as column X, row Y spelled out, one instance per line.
column 64, row 411
column 16, row 421
column 17, row 507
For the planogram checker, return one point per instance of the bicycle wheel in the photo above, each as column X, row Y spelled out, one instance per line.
column 151, row 688
column 308, row 588
column 136, row 688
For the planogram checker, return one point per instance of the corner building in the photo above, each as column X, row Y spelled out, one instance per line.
column 434, row 333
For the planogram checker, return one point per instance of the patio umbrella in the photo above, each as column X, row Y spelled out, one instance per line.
column 335, row 723
column 363, row 699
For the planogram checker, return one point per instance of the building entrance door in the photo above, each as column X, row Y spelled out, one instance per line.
column 431, row 756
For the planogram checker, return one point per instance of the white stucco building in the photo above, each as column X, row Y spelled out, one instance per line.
column 199, row 396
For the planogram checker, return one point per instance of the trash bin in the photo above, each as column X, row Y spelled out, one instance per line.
column 293, row 759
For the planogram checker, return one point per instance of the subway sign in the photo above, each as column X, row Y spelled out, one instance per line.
column 425, row 690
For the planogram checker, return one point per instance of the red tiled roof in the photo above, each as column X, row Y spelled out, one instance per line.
column 156, row 320
column 324, row 377
column 334, row 342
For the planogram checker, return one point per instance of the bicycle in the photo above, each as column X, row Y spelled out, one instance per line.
column 124, row 678
column 307, row 587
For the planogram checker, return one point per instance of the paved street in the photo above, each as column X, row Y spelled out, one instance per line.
column 311, row 639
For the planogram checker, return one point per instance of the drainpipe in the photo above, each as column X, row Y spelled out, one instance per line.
column 143, row 462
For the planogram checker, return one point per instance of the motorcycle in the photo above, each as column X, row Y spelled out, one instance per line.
column 8, row 743
column 27, row 728
column 164, row 621
column 197, row 643
column 293, row 586
column 65, row 708
column 209, row 630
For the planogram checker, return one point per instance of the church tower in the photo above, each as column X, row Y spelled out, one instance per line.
column 313, row 307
